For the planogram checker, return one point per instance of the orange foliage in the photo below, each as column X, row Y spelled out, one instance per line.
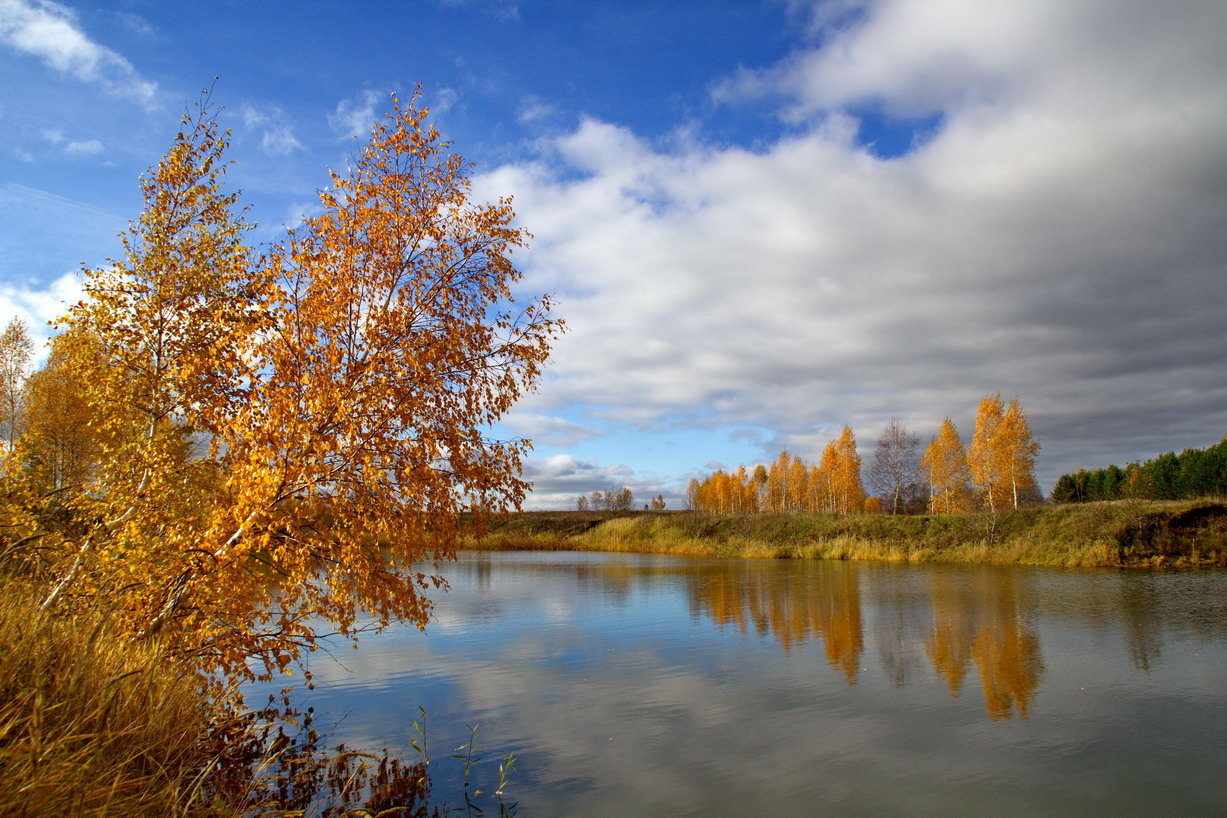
column 946, row 463
column 282, row 438
column 787, row 485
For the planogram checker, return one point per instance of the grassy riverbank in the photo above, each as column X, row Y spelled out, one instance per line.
column 1111, row 534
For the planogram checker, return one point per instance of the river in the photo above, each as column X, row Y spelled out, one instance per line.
column 653, row 685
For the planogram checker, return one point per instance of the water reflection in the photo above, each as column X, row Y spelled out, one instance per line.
column 1142, row 633
column 978, row 617
column 1006, row 649
column 665, row 685
column 792, row 607
column 983, row 621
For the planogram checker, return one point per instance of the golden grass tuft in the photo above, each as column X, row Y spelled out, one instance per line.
column 91, row 724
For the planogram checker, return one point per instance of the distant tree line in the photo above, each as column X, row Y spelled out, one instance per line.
column 1171, row 476
column 616, row 499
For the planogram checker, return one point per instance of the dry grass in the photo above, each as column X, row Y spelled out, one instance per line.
column 1138, row 533
column 93, row 725
column 99, row 725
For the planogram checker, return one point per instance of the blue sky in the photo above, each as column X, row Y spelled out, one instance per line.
column 762, row 220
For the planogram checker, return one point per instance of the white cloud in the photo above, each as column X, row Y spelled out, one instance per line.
column 49, row 31
column 559, row 480
column 948, row 54
column 503, row 9
column 298, row 212
column 443, row 101
column 279, row 141
column 39, row 305
column 544, row 428
column 276, row 133
column 1058, row 237
column 356, row 116
column 86, row 147
column 71, row 147
column 134, row 23
column 533, row 109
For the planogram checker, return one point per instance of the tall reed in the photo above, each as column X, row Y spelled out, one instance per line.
column 91, row 724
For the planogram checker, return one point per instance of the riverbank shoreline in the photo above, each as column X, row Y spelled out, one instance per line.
column 1119, row 534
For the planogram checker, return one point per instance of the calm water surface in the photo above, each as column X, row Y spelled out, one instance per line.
column 655, row 685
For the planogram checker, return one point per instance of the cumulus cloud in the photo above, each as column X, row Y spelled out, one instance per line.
column 1058, row 237
column 50, row 31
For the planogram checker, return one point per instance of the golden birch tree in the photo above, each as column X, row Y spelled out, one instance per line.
column 817, row 490
column 722, row 490
column 827, row 469
column 749, row 496
column 59, row 446
column 846, row 477
column 798, row 485
column 777, row 483
column 945, row 462
column 983, row 455
column 285, row 437
column 740, row 478
column 1015, row 451
column 1001, row 457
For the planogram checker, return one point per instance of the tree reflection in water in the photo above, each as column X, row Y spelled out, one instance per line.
column 792, row 607
column 978, row 617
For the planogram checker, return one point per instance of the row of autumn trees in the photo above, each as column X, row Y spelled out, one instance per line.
column 221, row 437
column 1192, row 473
column 996, row 470
column 789, row 484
